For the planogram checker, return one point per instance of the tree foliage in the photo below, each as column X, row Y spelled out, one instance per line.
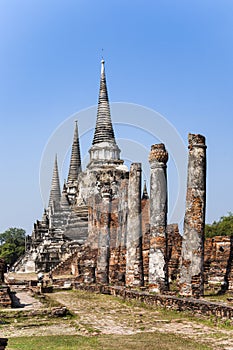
column 12, row 244
column 223, row 227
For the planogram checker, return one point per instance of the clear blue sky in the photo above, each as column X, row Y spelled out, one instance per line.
column 173, row 56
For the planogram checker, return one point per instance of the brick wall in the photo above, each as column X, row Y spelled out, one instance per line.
column 117, row 265
column 5, row 298
column 219, row 263
column 218, row 260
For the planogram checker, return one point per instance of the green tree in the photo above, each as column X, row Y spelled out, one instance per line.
column 12, row 244
column 223, row 227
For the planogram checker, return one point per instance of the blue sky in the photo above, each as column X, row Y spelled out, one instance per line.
column 175, row 57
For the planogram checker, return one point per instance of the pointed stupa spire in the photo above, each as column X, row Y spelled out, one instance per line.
column 104, row 150
column 104, row 129
column 145, row 193
column 55, row 193
column 75, row 160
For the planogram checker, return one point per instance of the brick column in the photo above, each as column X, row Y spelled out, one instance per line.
column 158, row 270
column 192, row 255
column 134, row 270
column 102, row 270
column 122, row 213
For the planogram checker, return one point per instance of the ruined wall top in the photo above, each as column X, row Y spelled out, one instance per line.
column 136, row 167
column 158, row 153
column 196, row 140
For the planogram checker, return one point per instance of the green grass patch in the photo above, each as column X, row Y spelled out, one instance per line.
column 53, row 343
column 150, row 341
column 107, row 302
column 215, row 297
column 140, row 341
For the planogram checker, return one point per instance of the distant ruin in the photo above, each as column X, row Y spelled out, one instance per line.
column 2, row 270
column 5, row 296
column 102, row 228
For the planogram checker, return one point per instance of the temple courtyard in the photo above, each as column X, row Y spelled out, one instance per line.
column 71, row 319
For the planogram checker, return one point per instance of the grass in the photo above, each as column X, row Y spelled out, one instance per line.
column 52, row 343
column 106, row 302
column 170, row 315
column 142, row 341
column 211, row 296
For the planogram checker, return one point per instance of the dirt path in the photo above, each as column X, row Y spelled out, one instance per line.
column 24, row 300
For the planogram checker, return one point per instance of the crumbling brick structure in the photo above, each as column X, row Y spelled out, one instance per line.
column 5, row 297
column 134, row 267
column 100, row 228
column 192, row 256
column 158, row 268
column 218, row 265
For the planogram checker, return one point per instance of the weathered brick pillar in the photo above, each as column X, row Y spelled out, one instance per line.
column 134, row 269
column 102, row 270
column 158, row 269
column 122, row 213
column 192, row 255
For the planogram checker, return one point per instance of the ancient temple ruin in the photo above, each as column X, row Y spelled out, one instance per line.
column 102, row 228
column 90, row 202
column 5, row 295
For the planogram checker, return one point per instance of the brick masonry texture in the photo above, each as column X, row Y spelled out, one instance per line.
column 158, row 268
column 192, row 255
column 134, row 267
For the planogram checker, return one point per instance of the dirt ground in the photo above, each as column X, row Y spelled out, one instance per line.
column 103, row 314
